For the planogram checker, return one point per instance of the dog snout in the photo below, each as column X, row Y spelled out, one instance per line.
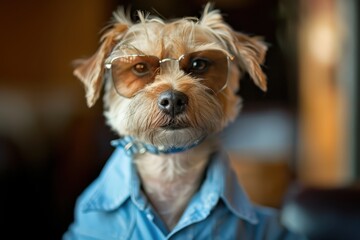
column 172, row 102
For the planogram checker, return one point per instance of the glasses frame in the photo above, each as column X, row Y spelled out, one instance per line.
column 110, row 60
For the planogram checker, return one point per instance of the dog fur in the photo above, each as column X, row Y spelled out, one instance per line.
column 170, row 180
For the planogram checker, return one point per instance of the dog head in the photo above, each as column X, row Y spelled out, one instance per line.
column 170, row 83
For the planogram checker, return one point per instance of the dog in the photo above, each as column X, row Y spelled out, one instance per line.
column 169, row 88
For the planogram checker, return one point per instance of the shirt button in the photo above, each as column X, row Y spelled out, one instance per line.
column 150, row 216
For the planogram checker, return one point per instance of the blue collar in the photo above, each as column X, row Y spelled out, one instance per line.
column 132, row 146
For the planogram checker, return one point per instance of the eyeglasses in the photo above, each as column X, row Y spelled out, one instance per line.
column 132, row 72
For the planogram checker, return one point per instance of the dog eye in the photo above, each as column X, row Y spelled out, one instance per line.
column 140, row 69
column 199, row 65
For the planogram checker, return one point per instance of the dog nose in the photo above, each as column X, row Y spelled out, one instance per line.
column 172, row 102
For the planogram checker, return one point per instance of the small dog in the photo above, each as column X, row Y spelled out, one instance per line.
column 170, row 87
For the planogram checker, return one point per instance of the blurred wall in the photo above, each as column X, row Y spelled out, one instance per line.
column 45, row 126
column 39, row 97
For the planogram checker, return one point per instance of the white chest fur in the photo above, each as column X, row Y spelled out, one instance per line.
column 169, row 181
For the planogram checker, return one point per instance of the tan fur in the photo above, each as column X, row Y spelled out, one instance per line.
column 171, row 180
column 90, row 71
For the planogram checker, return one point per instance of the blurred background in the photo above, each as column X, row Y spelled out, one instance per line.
column 294, row 147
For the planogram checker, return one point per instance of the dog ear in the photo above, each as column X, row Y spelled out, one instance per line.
column 252, row 51
column 91, row 71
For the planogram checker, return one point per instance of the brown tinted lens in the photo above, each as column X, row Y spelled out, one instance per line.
column 131, row 73
column 211, row 67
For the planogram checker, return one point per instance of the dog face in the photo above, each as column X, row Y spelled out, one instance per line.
column 171, row 83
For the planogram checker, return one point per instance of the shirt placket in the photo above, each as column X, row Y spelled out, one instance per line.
column 199, row 209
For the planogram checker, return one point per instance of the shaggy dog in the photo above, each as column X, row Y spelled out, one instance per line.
column 170, row 88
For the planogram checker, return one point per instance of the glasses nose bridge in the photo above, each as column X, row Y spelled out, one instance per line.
column 168, row 65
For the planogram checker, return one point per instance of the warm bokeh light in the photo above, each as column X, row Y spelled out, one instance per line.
column 323, row 38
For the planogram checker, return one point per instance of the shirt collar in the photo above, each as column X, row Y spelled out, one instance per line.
column 222, row 182
column 119, row 181
column 232, row 193
column 113, row 187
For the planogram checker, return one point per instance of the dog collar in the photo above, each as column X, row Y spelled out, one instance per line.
column 132, row 146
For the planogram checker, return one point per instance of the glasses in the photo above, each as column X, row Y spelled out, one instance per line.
column 132, row 72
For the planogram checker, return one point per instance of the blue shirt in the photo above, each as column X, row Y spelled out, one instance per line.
column 114, row 207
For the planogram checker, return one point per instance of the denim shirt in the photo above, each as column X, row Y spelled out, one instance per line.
column 114, row 207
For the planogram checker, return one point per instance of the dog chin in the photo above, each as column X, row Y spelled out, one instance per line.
column 174, row 137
